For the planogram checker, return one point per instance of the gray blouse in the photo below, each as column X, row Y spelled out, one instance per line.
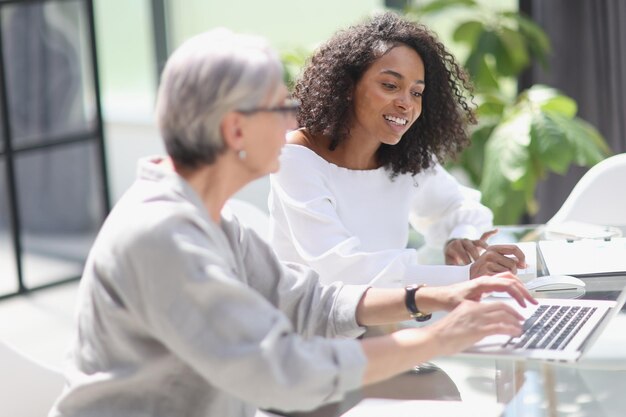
column 179, row 316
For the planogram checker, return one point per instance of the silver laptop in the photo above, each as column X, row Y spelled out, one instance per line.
column 555, row 330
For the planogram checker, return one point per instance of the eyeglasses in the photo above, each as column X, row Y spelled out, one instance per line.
column 290, row 108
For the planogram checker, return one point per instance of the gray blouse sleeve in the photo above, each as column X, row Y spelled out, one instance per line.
column 236, row 326
column 313, row 308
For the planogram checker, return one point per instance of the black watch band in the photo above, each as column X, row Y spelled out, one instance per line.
column 409, row 302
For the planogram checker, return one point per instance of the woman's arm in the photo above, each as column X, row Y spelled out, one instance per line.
column 307, row 228
column 382, row 306
column 468, row 322
column 443, row 209
column 451, row 216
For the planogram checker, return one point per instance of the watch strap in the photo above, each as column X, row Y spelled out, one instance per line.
column 411, row 306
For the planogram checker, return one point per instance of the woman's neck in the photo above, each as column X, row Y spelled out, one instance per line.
column 214, row 183
column 351, row 153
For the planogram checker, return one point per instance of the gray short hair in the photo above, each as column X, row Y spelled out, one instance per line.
column 205, row 78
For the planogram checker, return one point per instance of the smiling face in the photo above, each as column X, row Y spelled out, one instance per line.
column 388, row 98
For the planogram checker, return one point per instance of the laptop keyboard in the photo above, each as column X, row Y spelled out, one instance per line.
column 551, row 327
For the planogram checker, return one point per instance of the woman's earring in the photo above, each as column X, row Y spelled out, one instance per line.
column 242, row 154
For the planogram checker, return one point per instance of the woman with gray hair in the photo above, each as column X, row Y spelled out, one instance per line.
column 184, row 312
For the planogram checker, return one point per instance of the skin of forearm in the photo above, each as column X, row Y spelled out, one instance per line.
column 383, row 306
column 392, row 354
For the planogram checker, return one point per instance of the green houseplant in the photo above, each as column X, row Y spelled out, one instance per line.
column 521, row 136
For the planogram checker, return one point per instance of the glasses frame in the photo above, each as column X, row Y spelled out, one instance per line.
column 291, row 106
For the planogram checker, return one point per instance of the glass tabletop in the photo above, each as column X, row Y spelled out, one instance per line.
column 591, row 387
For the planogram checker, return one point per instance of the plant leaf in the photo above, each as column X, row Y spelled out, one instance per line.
column 588, row 145
column 491, row 105
column 439, row 5
column 550, row 100
column 468, row 32
column 507, row 149
column 550, row 144
column 477, row 66
column 539, row 93
column 471, row 159
column 537, row 40
column 563, row 105
column 511, row 55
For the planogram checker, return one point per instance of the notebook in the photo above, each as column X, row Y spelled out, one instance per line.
column 554, row 330
column 585, row 257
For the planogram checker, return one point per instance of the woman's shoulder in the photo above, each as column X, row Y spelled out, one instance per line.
column 299, row 152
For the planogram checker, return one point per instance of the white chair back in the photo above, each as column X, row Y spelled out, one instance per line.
column 599, row 197
column 27, row 388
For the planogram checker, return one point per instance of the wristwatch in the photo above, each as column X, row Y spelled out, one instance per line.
column 409, row 302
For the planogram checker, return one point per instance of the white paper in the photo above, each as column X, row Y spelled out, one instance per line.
column 584, row 257
column 530, row 252
column 580, row 230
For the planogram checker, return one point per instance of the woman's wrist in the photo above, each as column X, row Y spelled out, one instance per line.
column 429, row 300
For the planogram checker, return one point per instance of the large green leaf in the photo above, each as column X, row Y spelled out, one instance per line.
column 588, row 145
column 563, row 105
column 508, row 205
column 476, row 63
column 471, row 159
column 549, row 144
column 507, row 149
column 506, row 172
column 549, row 99
column 491, row 105
column 481, row 73
column 539, row 94
column 440, row 5
column 468, row 32
column 511, row 54
column 537, row 40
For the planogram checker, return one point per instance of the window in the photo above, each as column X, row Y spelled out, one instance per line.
column 53, row 187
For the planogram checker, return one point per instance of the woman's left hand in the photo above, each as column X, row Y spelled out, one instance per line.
column 466, row 251
column 451, row 296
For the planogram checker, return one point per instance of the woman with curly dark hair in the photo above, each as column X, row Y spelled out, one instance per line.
column 382, row 103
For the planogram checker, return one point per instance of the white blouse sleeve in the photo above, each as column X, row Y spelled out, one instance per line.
column 443, row 209
column 305, row 227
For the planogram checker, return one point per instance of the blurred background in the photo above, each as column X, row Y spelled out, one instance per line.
column 78, row 81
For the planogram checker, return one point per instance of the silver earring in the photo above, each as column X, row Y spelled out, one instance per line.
column 242, row 154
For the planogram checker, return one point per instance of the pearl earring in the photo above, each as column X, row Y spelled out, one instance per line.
column 242, row 154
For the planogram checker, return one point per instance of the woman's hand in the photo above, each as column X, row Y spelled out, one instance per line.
column 466, row 251
column 471, row 321
column 450, row 296
column 498, row 258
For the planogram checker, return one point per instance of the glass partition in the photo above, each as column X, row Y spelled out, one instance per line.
column 53, row 190
column 8, row 267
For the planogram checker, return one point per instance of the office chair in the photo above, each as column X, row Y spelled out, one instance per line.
column 28, row 388
column 250, row 215
column 599, row 197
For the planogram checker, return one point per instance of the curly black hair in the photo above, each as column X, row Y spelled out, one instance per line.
column 330, row 76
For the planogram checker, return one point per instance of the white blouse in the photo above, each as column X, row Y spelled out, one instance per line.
column 352, row 225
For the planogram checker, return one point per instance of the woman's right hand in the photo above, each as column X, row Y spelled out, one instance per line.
column 471, row 321
column 448, row 297
column 496, row 259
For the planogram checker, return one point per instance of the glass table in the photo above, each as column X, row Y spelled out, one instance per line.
column 592, row 387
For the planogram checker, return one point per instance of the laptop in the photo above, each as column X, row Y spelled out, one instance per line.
column 555, row 330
